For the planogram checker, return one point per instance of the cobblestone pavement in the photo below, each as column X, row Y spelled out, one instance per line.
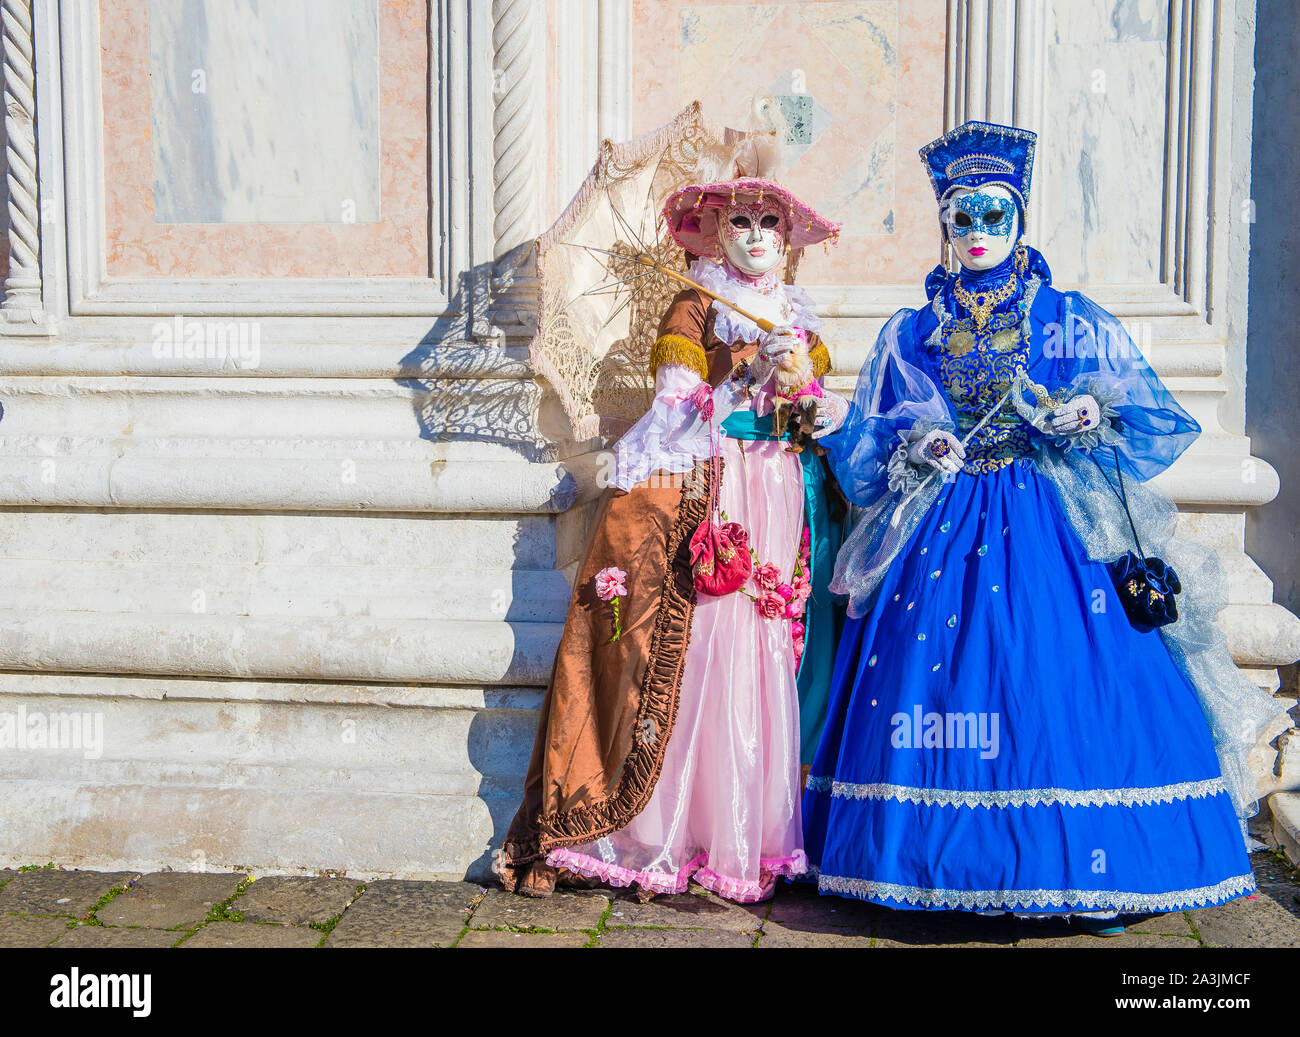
column 50, row 907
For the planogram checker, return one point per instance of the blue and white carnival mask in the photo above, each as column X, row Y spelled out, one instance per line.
column 983, row 226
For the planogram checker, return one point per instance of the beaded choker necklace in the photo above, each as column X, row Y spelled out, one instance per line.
column 981, row 304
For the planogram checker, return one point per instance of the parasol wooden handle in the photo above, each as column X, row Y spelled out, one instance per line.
column 644, row 260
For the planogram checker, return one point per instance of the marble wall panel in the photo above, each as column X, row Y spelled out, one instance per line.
column 264, row 113
column 306, row 157
column 861, row 83
column 1100, row 177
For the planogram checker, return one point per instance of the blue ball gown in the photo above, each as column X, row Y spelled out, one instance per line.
column 999, row 735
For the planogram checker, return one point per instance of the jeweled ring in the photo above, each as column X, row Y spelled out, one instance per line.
column 1083, row 417
column 940, row 448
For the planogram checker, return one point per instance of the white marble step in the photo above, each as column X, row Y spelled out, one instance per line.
column 1286, row 823
column 446, row 419
column 362, row 778
column 354, row 648
column 244, row 538
column 298, row 484
column 311, row 590
column 300, row 347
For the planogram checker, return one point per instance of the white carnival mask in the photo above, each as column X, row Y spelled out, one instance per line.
column 983, row 226
column 753, row 236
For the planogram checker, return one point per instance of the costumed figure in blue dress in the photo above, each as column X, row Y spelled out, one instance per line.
column 1015, row 723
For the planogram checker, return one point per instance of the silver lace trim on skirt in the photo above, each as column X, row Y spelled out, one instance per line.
column 1028, row 899
column 1019, row 797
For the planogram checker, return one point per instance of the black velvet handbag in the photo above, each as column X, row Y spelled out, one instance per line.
column 1146, row 585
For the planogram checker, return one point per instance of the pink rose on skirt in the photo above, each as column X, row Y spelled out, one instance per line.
column 797, row 629
column 610, row 583
column 770, row 606
column 767, row 576
column 786, row 591
column 802, row 591
column 794, row 610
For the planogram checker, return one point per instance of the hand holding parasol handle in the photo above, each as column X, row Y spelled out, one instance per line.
column 763, row 324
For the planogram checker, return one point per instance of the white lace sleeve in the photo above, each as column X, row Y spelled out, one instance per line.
column 673, row 434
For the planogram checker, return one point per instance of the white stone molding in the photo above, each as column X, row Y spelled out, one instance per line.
column 592, row 83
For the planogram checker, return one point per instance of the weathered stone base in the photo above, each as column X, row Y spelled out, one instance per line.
column 346, row 779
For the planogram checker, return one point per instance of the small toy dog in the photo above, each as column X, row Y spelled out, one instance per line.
column 795, row 396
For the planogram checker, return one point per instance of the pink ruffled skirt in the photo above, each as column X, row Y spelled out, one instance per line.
column 725, row 811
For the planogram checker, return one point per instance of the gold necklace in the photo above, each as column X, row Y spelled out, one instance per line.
column 980, row 304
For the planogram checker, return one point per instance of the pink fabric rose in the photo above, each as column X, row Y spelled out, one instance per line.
column 802, row 591
column 794, row 610
column 797, row 629
column 609, row 583
column 786, row 591
column 770, row 606
column 767, row 576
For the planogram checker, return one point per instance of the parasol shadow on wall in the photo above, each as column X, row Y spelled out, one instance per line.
column 468, row 385
column 596, row 310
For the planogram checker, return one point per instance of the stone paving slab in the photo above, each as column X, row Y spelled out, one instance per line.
column 170, row 899
column 617, row 938
column 808, row 935
column 496, row 938
column 295, row 900
column 90, row 936
column 1173, row 924
column 801, row 905
column 942, row 929
column 563, row 910
column 250, row 934
column 402, row 913
column 16, row 931
column 1285, row 895
column 1127, row 940
column 687, row 911
column 1261, row 922
column 50, row 891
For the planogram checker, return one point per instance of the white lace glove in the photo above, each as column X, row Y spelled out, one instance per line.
column 831, row 412
column 760, row 368
column 1080, row 414
column 777, row 342
column 938, row 449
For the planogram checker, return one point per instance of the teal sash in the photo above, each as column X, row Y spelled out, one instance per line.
column 823, row 618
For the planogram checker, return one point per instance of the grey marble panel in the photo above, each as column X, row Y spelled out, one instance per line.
column 264, row 111
column 1100, row 177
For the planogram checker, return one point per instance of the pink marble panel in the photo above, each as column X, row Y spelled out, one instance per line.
column 863, row 84
column 397, row 245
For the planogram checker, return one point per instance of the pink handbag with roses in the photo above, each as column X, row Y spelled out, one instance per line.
column 720, row 558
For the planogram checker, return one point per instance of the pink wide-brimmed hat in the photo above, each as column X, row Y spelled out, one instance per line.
column 690, row 214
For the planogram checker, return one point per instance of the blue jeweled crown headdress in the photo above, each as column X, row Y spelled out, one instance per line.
column 977, row 153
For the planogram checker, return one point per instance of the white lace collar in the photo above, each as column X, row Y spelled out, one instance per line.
column 784, row 304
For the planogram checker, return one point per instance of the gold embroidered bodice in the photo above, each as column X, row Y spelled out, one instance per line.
column 976, row 366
